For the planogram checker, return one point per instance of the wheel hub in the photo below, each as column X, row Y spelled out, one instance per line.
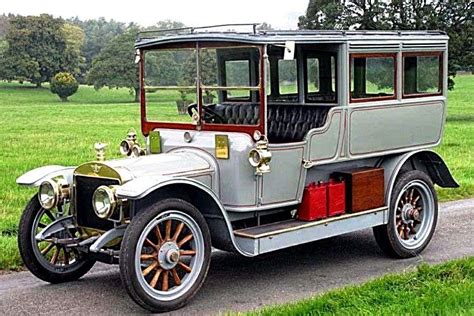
column 408, row 212
column 168, row 255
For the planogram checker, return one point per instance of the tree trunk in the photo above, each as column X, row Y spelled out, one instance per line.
column 63, row 99
column 137, row 95
column 38, row 84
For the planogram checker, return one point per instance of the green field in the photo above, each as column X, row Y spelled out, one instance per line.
column 446, row 289
column 39, row 130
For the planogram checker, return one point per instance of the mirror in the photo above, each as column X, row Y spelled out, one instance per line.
column 289, row 50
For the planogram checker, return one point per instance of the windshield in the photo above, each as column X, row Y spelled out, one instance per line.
column 226, row 78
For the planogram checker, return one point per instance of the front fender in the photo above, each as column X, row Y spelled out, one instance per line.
column 36, row 176
column 425, row 160
column 146, row 188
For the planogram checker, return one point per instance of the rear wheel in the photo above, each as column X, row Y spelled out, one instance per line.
column 165, row 255
column 413, row 216
column 48, row 260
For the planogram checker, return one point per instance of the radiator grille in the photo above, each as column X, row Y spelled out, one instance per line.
column 84, row 189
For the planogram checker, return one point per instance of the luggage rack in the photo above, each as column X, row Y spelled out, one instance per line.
column 191, row 30
column 265, row 238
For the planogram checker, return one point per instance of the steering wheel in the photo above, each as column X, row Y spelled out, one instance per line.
column 210, row 116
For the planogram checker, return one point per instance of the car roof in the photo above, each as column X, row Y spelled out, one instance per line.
column 156, row 38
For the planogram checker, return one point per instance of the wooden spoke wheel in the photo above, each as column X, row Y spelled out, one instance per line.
column 165, row 255
column 168, row 253
column 412, row 218
column 49, row 260
column 414, row 214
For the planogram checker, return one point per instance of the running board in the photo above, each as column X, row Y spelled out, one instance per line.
column 271, row 237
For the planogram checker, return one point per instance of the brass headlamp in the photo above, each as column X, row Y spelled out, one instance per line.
column 260, row 157
column 52, row 192
column 130, row 147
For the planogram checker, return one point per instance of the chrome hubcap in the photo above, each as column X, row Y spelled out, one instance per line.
column 168, row 255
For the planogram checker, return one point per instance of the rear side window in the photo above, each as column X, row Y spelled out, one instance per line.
column 373, row 77
column 422, row 74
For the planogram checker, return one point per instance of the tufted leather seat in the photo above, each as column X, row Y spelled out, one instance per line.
column 286, row 122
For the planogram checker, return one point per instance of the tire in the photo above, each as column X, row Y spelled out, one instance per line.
column 413, row 215
column 144, row 246
column 76, row 266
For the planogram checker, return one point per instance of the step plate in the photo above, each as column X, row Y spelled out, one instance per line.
column 271, row 237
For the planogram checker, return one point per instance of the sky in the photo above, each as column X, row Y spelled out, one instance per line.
column 280, row 14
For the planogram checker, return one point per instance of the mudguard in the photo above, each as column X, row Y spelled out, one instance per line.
column 213, row 211
column 36, row 176
column 425, row 160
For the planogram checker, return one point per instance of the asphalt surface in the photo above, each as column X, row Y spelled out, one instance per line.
column 236, row 283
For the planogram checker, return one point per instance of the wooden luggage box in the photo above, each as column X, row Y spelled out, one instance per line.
column 364, row 188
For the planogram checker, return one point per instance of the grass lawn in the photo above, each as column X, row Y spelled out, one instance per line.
column 38, row 129
column 446, row 289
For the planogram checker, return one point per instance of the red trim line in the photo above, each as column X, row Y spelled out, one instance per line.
column 441, row 75
column 374, row 55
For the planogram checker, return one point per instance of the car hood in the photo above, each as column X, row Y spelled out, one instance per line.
column 161, row 165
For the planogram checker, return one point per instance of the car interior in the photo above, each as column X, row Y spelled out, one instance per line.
column 300, row 91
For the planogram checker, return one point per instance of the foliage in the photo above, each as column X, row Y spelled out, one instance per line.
column 3, row 25
column 445, row 289
column 115, row 65
column 37, row 49
column 166, row 25
column 64, row 85
column 453, row 17
column 161, row 68
column 74, row 37
column 97, row 34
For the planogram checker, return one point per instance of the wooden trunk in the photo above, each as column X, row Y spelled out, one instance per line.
column 364, row 188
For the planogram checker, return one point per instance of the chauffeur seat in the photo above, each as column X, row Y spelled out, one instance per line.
column 286, row 122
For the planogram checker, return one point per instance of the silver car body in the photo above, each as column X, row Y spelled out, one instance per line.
column 378, row 133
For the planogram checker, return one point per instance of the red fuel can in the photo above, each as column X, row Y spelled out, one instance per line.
column 336, row 198
column 314, row 204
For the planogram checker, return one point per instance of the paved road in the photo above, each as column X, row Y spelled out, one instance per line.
column 238, row 284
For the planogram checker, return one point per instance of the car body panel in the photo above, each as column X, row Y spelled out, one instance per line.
column 36, row 176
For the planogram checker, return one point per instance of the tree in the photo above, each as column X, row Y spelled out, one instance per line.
column 36, row 49
column 3, row 25
column 115, row 66
column 98, row 33
column 64, row 85
column 74, row 37
column 453, row 17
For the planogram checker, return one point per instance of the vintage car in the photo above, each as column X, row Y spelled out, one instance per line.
column 253, row 142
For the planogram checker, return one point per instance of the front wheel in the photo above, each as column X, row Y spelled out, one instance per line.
column 48, row 260
column 413, row 216
column 165, row 255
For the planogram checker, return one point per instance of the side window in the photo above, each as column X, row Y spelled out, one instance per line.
column 422, row 74
column 312, row 70
column 237, row 74
column 320, row 78
column 373, row 77
column 287, row 77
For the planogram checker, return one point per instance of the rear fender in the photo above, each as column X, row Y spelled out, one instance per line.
column 36, row 176
column 424, row 160
column 143, row 192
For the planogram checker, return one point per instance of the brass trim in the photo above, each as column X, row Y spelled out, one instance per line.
column 97, row 170
column 222, row 146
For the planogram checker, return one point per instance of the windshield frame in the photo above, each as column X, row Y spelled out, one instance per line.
column 201, row 125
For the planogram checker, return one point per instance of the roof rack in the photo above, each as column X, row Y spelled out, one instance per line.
column 190, row 30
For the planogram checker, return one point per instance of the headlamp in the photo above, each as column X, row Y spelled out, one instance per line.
column 104, row 201
column 52, row 191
